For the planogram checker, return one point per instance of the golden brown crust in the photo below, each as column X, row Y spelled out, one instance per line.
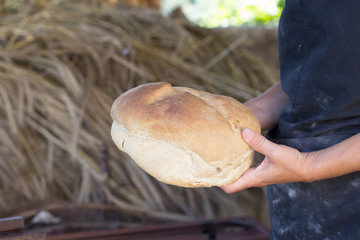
column 207, row 124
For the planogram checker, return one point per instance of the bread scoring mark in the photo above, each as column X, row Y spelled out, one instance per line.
column 211, row 108
column 216, row 105
column 220, row 107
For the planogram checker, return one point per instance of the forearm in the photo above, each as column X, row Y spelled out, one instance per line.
column 337, row 160
column 268, row 106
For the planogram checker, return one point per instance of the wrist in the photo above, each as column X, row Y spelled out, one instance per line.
column 265, row 118
column 311, row 169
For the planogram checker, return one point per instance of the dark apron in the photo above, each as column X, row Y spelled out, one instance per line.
column 327, row 209
column 319, row 52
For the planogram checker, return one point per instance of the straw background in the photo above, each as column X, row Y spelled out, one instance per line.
column 62, row 64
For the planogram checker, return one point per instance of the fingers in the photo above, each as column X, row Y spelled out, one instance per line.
column 256, row 176
column 258, row 142
column 245, row 181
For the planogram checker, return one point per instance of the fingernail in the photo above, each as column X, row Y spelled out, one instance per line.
column 247, row 134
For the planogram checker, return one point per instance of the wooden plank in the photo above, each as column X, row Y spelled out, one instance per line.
column 11, row 224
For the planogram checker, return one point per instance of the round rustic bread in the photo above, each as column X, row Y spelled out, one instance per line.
column 182, row 136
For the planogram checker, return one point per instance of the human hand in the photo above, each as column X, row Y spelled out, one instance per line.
column 281, row 164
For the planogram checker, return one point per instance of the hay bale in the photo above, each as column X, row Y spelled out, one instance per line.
column 62, row 63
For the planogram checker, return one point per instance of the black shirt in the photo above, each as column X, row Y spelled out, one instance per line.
column 319, row 51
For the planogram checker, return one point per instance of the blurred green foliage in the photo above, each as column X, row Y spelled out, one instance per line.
column 229, row 13
column 281, row 4
column 224, row 13
column 10, row 5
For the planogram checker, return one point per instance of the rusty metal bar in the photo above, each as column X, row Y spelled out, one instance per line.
column 238, row 228
column 26, row 236
column 11, row 224
column 10, row 227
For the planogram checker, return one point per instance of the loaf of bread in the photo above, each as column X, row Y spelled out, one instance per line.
column 182, row 136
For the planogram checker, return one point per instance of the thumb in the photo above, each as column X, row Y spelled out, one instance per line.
column 258, row 142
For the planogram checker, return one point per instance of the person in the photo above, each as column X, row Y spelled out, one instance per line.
column 312, row 151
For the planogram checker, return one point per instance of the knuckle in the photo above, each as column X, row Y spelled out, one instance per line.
column 276, row 151
column 259, row 141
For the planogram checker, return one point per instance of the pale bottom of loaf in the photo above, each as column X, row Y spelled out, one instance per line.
column 176, row 165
